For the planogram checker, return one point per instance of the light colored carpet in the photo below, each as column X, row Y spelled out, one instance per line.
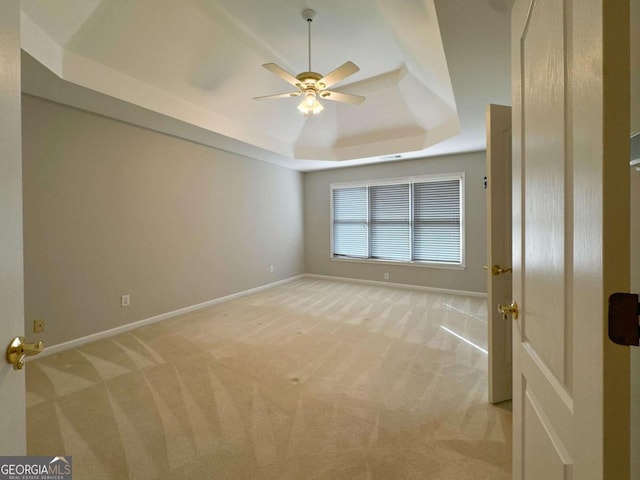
column 313, row 379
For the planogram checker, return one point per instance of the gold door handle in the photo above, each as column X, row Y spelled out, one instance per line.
column 18, row 350
column 497, row 269
column 509, row 310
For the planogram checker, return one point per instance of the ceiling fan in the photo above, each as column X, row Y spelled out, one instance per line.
column 313, row 85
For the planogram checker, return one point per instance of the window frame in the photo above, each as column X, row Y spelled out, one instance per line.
column 460, row 176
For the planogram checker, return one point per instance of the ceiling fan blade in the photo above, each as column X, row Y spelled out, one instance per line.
column 340, row 73
column 277, row 95
column 342, row 97
column 282, row 73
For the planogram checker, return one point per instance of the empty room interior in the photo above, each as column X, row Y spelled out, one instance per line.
column 241, row 271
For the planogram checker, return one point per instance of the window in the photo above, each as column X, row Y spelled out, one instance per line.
column 417, row 220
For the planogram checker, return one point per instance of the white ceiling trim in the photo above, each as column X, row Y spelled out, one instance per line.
column 40, row 45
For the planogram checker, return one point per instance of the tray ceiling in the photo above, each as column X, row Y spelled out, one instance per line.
column 427, row 69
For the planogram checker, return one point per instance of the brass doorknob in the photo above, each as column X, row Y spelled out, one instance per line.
column 509, row 310
column 497, row 269
column 18, row 350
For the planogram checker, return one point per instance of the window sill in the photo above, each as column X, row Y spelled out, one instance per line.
column 443, row 266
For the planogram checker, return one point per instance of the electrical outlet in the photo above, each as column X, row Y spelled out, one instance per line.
column 272, row 268
column 125, row 300
column 38, row 326
column 386, row 276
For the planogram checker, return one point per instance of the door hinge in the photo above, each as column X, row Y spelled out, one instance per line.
column 623, row 319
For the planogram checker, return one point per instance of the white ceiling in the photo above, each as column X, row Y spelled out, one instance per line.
column 427, row 67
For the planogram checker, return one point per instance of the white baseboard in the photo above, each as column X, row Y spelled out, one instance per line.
column 164, row 316
column 444, row 291
column 76, row 342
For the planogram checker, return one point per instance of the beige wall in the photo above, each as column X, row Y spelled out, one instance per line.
column 318, row 224
column 113, row 209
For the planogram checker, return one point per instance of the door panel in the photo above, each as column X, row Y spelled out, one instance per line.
column 499, row 250
column 12, row 413
column 546, row 458
column 543, row 73
column 570, row 225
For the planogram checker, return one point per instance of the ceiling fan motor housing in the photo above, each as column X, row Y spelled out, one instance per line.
column 310, row 80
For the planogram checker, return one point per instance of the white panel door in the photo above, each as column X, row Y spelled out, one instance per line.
column 570, row 238
column 12, row 413
column 499, row 250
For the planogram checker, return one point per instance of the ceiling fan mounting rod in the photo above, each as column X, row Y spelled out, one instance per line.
column 309, row 25
column 308, row 14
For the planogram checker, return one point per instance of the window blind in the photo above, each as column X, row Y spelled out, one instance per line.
column 436, row 221
column 412, row 221
column 350, row 222
column 390, row 222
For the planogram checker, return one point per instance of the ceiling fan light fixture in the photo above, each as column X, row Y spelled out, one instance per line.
column 310, row 100
column 310, row 105
column 312, row 84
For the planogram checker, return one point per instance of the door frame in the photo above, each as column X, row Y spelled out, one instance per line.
column 12, row 383
column 498, row 120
